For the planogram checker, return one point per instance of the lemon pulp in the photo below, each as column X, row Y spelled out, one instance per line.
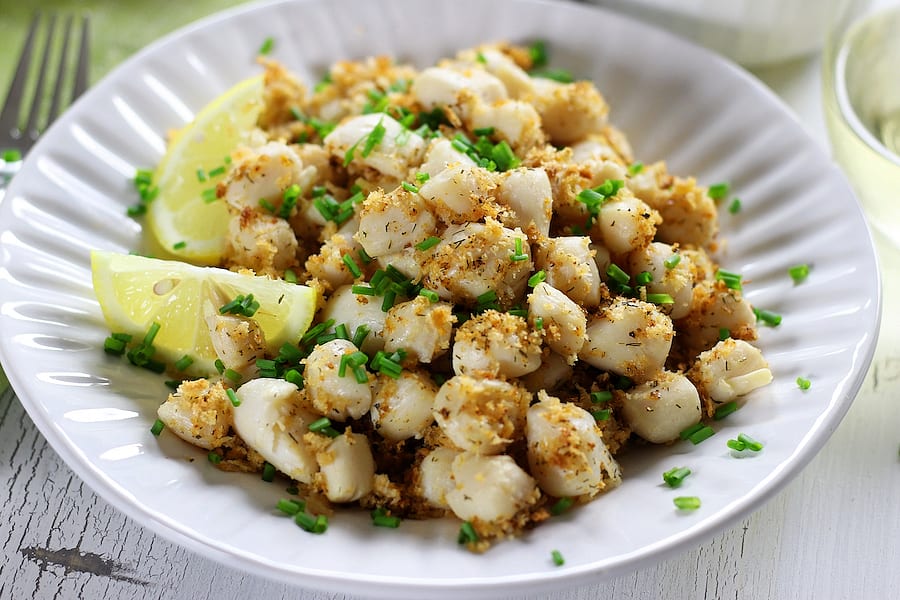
column 134, row 292
column 185, row 220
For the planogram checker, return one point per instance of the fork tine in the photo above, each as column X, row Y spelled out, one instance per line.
column 84, row 52
column 9, row 117
column 31, row 128
column 61, row 73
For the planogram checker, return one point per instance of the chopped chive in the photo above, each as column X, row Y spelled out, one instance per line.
column 323, row 426
column 267, row 368
column 395, row 274
column 623, row 382
column 268, row 473
column 374, row 139
column 467, row 533
column 429, row 242
column 363, row 290
column 348, row 155
column 136, row 210
column 220, row 366
column 557, row 557
column 323, row 83
column 687, row 433
column 422, row 176
column 718, row 191
column 519, row 253
column 749, row 442
column 183, row 363
column 232, row 375
column 290, row 507
column 643, row 278
column 290, row 276
column 732, row 280
column 316, row 331
column 590, row 197
column 390, row 368
column 504, row 157
column 616, row 273
column 736, row 445
column 241, row 305
column 112, row 345
column 724, row 333
column 660, row 299
column 735, row 206
column 313, row 524
column 201, row 176
column 768, row 317
column 538, row 54
column 364, row 256
column 235, row 401
column 409, row 187
column 560, row 75
column 172, row 384
column 342, row 367
column 380, row 518
column 799, row 273
column 672, row 261
column 635, row 168
column 724, row 410
column 351, row 265
column 357, row 358
column 803, row 383
column 561, row 506
column 294, row 376
column 484, row 131
column 487, row 300
column 13, row 155
column 220, row 170
column 675, row 477
column 157, row 428
column 179, row 245
column 341, row 331
column 141, row 176
column 208, row 195
column 538, row 277
column 430, row 294
column 686, row 502
column 151, row 333
column 214, row 457
column 387, row 303
column 362, row 377
column 267, row 46
column 601, row 415
column 703, row 433
column 325, row 338
column 267, row 205
column 359, row 335
column 602, row 396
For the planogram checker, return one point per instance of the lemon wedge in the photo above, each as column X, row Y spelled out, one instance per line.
column 185, row 220
column 134, row 292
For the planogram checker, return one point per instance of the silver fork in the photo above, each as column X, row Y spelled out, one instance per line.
column 22, row 122
column 18, row 130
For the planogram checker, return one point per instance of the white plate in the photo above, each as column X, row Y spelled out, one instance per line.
column 674, row 100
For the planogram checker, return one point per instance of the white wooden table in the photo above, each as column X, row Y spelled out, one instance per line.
column 834, row 532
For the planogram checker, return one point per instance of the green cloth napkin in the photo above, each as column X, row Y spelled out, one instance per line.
column 117, row 30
